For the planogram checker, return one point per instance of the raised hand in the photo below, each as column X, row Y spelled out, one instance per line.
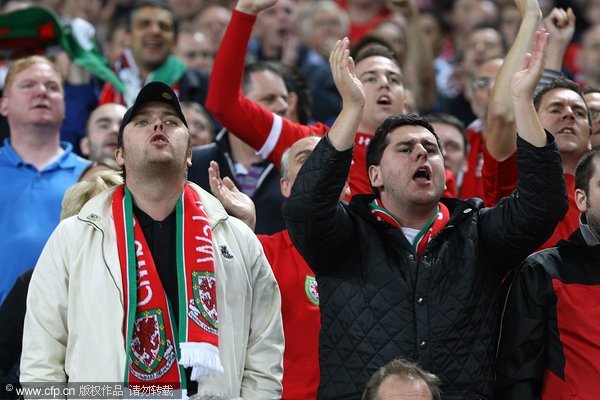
column 254, row 6
column 235, row 202
column 560, row 24
column 524, row 81
column 342, row 133
column 344, row 76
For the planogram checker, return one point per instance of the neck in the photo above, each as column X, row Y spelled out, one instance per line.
column 241, row 152
column 155, row 195
column 143, row 70
column 413, row 216
column 366, row 128
column 38, row 146
column 569, row 162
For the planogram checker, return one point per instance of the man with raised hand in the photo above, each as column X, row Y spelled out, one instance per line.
column 402, row 273
column 271, row 134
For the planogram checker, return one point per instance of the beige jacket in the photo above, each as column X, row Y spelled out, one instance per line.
column 73, row 325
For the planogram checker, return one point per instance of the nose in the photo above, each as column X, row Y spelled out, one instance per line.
column 384, row 81
column 154, row 28
column 40, row 89
column 158, row 126
column 281, row 108
column 569, row 114
column 421, row 152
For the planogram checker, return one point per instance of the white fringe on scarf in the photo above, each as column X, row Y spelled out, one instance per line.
column 202, row 357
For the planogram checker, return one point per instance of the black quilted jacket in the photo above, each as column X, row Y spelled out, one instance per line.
column 379, row 301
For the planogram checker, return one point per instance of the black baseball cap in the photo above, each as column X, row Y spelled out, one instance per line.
column 152, row 92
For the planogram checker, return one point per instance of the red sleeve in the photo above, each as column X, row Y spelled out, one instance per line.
column 269, row 134
column 499, row 177
column 450, row 190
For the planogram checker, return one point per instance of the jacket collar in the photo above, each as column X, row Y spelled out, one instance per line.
column 98, row 210
column 459, row 209
column 588, row 236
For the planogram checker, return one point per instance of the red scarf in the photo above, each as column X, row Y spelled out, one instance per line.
column 437, row 222
column 152, row 343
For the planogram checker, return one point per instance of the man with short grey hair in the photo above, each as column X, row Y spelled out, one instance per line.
column 403, row 379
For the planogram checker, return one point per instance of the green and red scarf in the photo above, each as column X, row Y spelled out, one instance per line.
column 437, row 222
column 153, row 345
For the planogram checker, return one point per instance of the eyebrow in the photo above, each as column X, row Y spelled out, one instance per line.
column 102, row 120
column 374, row 71
column 562, row 103
column 412, row 142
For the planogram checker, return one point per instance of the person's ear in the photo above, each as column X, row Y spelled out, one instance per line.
column 84, row 145
column 581, row 200
column 119, row 157
column 375, row 176
column 286, row 187
column 3, row 107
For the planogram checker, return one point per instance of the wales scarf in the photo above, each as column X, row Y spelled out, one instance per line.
column 437, row 222
column 169, row 72
column 153, row 342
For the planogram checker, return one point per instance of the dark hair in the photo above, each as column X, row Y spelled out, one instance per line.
column 448, row 119
column 371, row 47
column 155, row 4
column 259, row 66
column 586, row 169
column 405, row 371
column 561, row 83
column 380, row 140
column 296, row 82
column 590, row 90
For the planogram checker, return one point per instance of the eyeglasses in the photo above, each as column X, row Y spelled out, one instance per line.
column 482, row 83
column 594, row 113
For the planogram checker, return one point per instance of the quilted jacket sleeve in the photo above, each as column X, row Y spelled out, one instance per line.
column 520, row 223
column 521, row 352
column 318, row 223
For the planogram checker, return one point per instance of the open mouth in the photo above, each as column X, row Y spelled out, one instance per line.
column 159, row 139
column 422, row 174
column 283, row 32
column 384, row 100
column 567, row 131
column 153, row 45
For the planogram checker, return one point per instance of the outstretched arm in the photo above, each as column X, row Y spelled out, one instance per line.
column 522, row 92
column 420, row 54
column 501, row 131
column 519, row 224
column 319, row 225
column 341, row 135
column 560, row 24
column 265, row 131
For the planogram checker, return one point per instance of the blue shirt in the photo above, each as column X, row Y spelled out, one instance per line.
column 30, row 205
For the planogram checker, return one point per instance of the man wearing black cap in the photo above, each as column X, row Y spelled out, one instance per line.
column 153, row 285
